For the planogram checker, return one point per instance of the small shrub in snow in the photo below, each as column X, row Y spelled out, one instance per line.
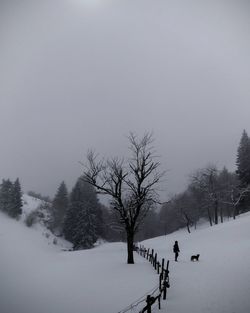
column 55, row 241
column 40, row 214
column 31, row 219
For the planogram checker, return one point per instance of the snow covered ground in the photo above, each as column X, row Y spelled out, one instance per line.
column 220, row 281
column 32, row 205
column 38, row 277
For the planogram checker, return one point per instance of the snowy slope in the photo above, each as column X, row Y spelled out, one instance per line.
column 31, row 204
column 220, row 281
column 36, row 277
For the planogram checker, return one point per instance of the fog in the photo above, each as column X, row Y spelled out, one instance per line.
column 82, row 74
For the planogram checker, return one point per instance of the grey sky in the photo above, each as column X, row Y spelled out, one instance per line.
column 79, row 74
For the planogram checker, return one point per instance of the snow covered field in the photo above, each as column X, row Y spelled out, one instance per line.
column 220, row 281
column 37, row 277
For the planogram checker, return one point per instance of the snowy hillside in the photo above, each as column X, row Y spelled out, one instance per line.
column 220, row 281
column 40, row 211
column 37, row 277
column 30, row 204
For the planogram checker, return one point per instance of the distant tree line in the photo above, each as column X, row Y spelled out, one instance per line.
column 11, row 198
column 211, row 194
column 39, row 196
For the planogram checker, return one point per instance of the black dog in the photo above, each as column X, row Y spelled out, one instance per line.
column 195, row 257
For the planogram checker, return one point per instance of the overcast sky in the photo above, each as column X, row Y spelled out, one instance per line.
column 80, row 74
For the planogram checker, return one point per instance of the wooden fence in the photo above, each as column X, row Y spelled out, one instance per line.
column 163, row 273
column 160, row 291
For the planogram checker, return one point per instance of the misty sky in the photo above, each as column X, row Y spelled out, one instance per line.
column 80, row 74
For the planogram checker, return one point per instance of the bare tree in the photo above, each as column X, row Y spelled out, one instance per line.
column 235, row 196
column 132, row 185
column 206, row 181
column 184, row 205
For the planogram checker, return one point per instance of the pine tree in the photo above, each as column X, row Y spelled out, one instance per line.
column 243, row 160
column 82, row 224
column 86, row 231
column 16, row 208
column 90, row 197
column 72, row 213
column 6, row 196
column 59, row 208
column 11, row 198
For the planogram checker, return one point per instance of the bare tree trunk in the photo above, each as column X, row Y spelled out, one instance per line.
column 130, row 247
column 221, row 215
column 209, row 217
column 216, row 212
column 235, row 212
column 188, row 221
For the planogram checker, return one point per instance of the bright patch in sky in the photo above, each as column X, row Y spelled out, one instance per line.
column 89, row 3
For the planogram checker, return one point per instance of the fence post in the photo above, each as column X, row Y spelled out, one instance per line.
column 160, row 279
column 148, row 304
column 164, row 289
column 159, row 302
column 152, row 256
column 155, row 261
column 167, row 271
column 165, row 282
column 162, row 266
column 158, row 267
column 147, row 253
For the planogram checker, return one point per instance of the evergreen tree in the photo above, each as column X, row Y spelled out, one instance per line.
column 59, row 208
column 82, row 224
column 16, row 208
column 243, row 160
column 11, row 198
column 243, row 170
column 89, row 196
column 86, row 229
column 72, row 213
column 6, row 196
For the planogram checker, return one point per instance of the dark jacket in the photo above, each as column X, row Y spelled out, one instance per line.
column 176, row 248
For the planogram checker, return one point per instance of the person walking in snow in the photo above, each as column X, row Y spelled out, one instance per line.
column 176, row 250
